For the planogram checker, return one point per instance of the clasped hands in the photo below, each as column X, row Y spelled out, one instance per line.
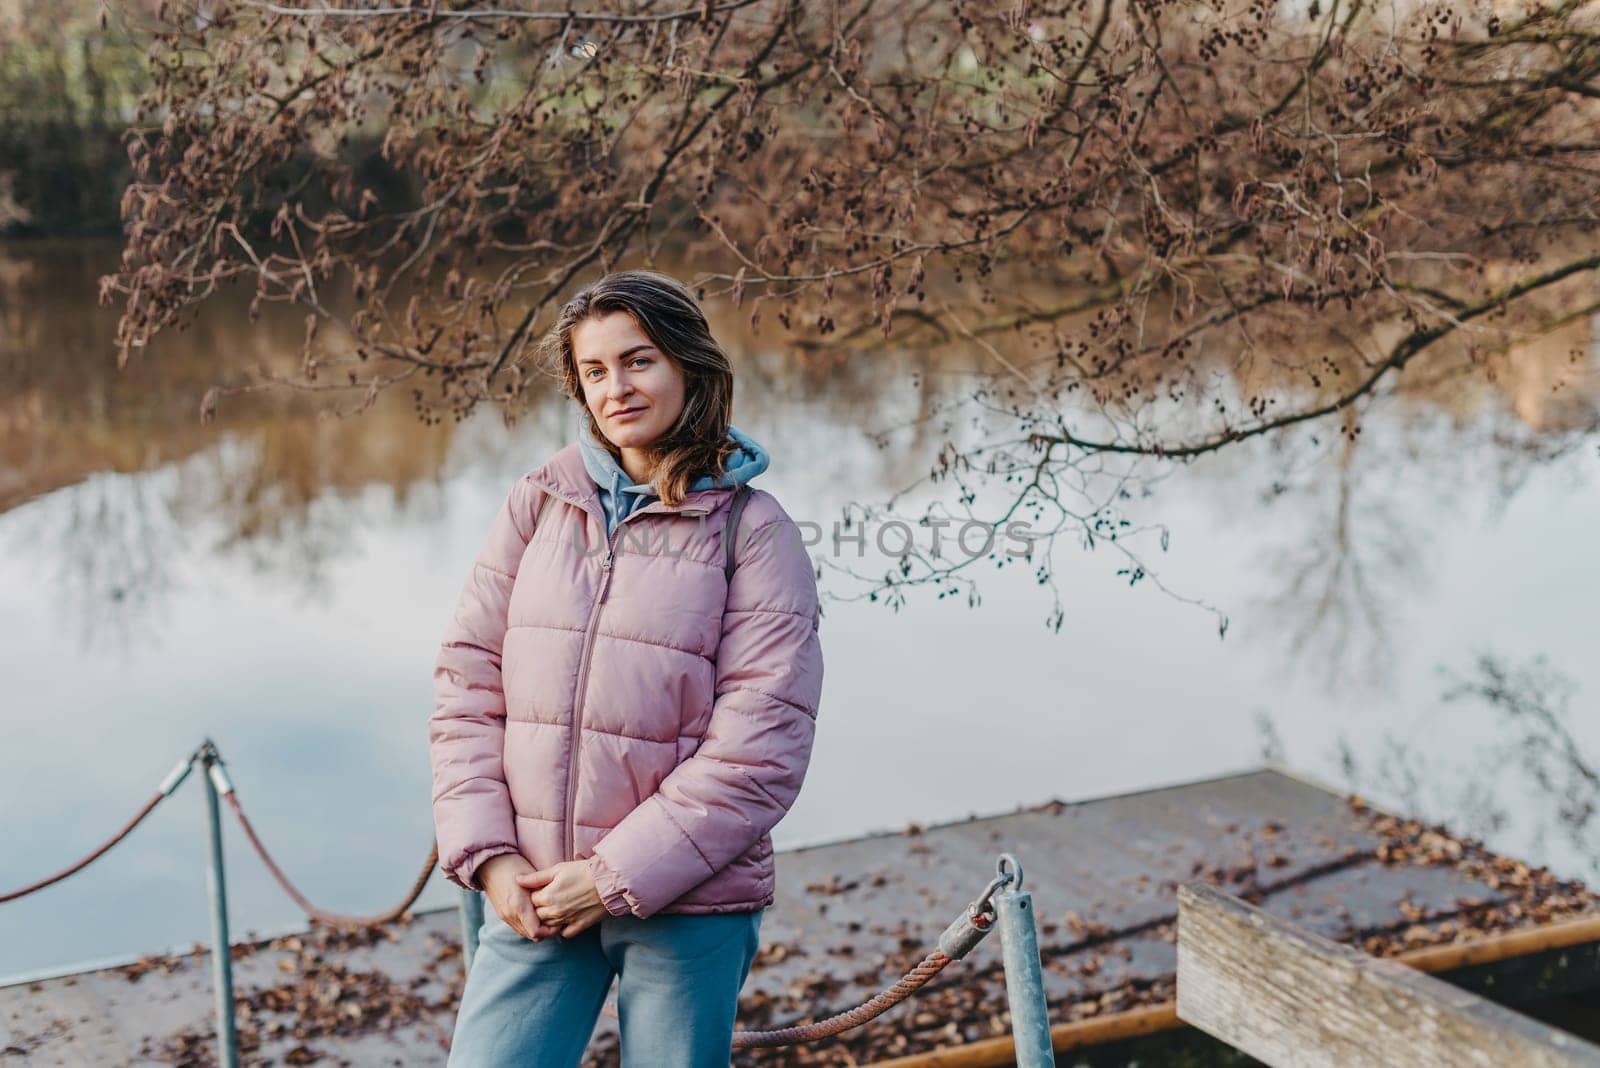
column 537, row 903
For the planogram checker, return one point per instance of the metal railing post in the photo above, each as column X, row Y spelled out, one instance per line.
column 1019, row 947
column 216, row 886
column 471, row 920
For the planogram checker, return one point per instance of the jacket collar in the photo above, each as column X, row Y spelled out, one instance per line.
column 743, row 464
column 565, row 476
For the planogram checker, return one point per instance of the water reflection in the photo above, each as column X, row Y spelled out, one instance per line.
column 107, row 557
column 273, row 480
column 1532, row 768
column 276, row 472
column 1359, row 521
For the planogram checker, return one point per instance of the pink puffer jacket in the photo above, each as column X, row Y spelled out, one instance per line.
column 627, row 705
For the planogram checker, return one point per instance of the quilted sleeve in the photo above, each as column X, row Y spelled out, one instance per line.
column 719, row 801
column 472, row 813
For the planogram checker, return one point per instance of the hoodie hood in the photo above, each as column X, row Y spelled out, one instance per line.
column 620, row 495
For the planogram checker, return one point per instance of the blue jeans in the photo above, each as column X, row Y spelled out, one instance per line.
column 536, row 1003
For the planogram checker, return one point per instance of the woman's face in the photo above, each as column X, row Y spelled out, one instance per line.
column 633, row 390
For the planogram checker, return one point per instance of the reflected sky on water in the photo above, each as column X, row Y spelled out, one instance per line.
column 279, row 583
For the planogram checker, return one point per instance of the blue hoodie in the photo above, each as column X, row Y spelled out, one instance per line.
column 620, row 496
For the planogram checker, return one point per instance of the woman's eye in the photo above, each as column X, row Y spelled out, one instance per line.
column 640, row 359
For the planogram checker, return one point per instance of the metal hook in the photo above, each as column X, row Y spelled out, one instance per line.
column 983, row 903
column 1016, row 868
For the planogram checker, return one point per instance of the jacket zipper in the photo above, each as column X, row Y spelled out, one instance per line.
column 583, row 673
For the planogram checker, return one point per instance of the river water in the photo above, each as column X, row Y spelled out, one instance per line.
column 279, row 582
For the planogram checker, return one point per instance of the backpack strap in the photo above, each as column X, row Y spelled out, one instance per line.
column 740, row 496
column 544, row 506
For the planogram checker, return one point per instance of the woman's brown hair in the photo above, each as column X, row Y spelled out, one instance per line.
column 667, row 313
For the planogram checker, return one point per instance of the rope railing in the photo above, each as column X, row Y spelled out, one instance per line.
column 931, row 965
column 332, row 919
column 168, row 785
column 958, row 939
column 166, row 789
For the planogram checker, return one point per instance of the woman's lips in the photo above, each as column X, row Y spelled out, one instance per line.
column 629, row 414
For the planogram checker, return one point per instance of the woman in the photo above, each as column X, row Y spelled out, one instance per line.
column 619, row 724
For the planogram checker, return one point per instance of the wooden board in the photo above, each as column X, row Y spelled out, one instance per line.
column 1289, row 997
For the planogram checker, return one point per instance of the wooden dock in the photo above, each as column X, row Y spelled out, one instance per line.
column 852, row 916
